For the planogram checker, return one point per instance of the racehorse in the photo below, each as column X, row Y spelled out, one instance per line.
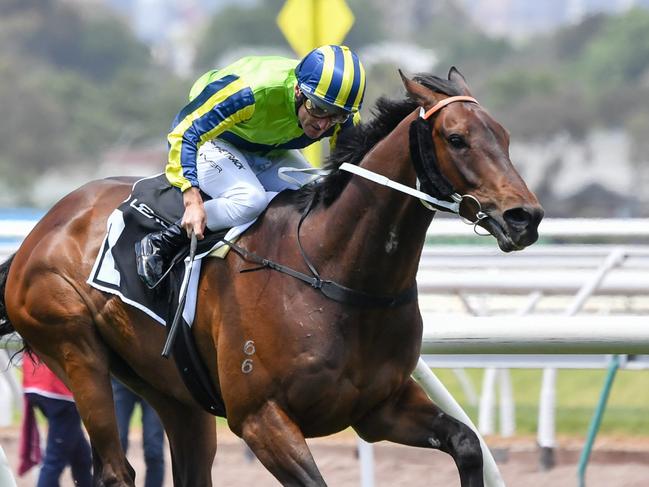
column 289, row 362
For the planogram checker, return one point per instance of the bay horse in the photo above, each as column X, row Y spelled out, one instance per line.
column 289, row 362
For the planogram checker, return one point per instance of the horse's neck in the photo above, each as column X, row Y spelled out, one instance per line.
column 374, row 234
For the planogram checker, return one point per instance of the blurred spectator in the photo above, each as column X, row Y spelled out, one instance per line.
column 66, row 442
column 152, row 431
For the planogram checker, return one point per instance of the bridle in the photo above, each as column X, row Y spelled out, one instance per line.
column 433, row 189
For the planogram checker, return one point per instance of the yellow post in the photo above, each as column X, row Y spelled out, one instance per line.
column 307, row 24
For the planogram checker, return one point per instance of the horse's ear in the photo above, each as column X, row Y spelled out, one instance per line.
column 455, row 76
column 418, row 92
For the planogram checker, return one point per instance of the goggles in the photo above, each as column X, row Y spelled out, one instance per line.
column 320, row 112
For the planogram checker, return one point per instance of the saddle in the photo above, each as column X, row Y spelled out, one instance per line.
column 152, row 205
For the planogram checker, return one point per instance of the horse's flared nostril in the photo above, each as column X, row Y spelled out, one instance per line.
column 523, row 217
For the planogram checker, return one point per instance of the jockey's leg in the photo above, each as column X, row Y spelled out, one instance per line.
column 156, row 250
column 268, row 175
column 411, row 418
column 237, row 197
column 224, row 173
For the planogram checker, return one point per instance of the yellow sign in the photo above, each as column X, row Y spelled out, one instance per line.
column 307, row 24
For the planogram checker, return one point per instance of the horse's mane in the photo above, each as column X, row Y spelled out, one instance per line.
column 354, row 143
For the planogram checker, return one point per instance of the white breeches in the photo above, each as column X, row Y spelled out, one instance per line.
column 241, row 183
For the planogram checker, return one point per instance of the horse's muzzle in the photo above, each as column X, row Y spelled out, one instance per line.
column 523, row 224
column 517, row 228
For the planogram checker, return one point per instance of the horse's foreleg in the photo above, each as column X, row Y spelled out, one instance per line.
column 280, row 446
column 412, row 419
column 192, row 441
column 190, row 430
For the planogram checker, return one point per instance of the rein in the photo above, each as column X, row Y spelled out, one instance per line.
column 328, row 288
column 451, row 206
column 432, row 178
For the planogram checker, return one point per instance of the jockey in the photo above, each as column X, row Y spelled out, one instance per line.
column 243, row 123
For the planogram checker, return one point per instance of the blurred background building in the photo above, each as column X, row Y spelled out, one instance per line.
column 518, row 19
column 92, row 85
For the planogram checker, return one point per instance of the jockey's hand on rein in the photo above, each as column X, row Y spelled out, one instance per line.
column 194, row 218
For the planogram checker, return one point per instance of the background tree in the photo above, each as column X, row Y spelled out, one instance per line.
column 239, row 25
column 73, row 85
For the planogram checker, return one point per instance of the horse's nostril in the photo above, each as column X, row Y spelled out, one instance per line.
column 522, row 218
column 518, row 217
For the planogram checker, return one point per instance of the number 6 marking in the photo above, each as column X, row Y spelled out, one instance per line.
column 246, row 366
column 249, row 347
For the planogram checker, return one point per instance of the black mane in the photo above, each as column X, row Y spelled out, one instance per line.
column 354, row 143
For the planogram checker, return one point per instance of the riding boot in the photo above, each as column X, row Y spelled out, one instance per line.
column 156, row 250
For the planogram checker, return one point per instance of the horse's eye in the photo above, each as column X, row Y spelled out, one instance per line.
column 457, row 141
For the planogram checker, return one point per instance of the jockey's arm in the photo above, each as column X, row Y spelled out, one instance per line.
column 194, row 217
column 221, row 105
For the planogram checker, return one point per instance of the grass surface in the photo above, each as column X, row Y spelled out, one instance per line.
column 578, row 391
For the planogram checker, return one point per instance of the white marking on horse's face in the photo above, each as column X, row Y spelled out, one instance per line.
column 392, row 243
column 434, row 442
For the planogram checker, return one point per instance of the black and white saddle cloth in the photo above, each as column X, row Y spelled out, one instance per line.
column 152, row 206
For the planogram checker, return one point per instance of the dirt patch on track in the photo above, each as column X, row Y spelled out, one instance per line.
column 616, row 462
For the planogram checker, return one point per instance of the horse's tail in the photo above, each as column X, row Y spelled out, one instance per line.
column 5, row 325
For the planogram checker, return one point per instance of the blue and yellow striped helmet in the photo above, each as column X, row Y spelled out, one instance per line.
column 332, row 75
